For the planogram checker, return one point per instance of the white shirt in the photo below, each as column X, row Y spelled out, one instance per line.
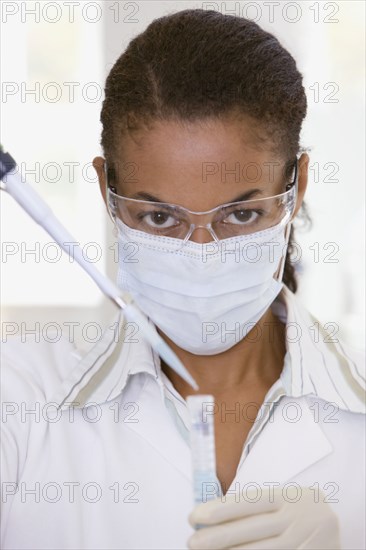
column 104, row 459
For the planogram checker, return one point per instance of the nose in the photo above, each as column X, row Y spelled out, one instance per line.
column 201, row 235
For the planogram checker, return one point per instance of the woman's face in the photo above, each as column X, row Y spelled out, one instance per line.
column 199, row 166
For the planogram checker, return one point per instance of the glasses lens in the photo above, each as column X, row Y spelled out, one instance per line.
column 151, row 217
column 245, row 218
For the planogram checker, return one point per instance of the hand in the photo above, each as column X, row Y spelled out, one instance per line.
column 270, row 518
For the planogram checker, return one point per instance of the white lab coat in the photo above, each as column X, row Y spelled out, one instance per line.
column 124, row 480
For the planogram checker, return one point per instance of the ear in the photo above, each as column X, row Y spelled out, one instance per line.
column 98, row 164
column 302, row 181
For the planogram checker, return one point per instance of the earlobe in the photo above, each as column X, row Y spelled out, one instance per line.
column 98, row 164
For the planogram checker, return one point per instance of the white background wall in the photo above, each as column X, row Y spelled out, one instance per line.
column 64, row 51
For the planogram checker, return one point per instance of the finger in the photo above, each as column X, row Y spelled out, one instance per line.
column 234, row 506
column 272, row 543
column 322, row 538
column 242, row 531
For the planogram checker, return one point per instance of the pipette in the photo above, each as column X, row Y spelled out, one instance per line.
column 37, row 208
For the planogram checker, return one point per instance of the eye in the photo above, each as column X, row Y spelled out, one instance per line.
column 242, row 216
column 159, row 219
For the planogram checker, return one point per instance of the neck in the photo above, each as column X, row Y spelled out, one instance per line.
column 254, row 362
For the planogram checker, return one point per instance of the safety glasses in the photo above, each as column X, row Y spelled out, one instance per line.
column 223, row 222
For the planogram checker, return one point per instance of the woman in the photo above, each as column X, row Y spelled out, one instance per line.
column 202, row 175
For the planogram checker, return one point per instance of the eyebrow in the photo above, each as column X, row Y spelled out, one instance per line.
column 243, row 197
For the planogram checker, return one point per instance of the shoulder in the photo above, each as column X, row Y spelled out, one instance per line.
column 321, row 364
column 34, row 367
column 356, row 357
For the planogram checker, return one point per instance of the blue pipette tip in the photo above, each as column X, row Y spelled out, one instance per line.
column 172, row 360
column 132, row 312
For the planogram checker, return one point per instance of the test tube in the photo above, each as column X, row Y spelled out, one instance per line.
column 202, row 439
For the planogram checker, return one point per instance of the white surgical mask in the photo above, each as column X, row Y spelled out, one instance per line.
column 204, row 297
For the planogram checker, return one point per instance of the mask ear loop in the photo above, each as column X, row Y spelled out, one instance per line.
column 107, row 189
column 281, row 266
column 278, row 277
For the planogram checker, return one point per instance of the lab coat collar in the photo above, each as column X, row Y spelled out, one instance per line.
column 294, row 441
column 102, row 374
column 314, row 364
column 289, row 443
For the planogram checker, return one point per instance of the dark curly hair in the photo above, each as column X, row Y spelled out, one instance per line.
column 197, row 64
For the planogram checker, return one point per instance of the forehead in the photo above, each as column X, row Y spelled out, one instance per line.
column 197, row 164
